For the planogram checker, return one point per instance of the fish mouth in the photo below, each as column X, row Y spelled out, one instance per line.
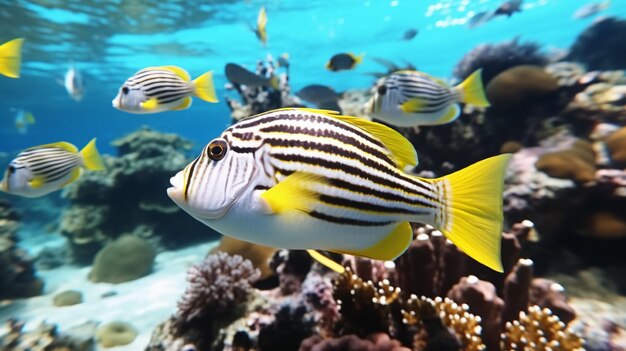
column 177, row 193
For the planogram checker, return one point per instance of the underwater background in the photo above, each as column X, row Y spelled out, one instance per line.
column 110, row 262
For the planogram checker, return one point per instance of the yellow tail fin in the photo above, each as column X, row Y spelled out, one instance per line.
column 472, row 91
column 11, row 58
column 204, row 88
column 357, row 59
column 30, row 118
column 91, row 157
column 473, row 216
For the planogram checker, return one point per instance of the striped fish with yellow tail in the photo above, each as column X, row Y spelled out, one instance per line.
column 312, row 179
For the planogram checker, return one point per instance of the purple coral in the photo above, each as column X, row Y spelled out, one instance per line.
column 496, row 58
column 216, row 285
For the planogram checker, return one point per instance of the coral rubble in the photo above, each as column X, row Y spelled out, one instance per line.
column 46, row 337
column 123, row 200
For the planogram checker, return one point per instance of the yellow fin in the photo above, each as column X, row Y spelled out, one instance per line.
column 325, row 261
column 413, row 105
column 184, row 75
column 91, row 157
column 471, row 90
column 37, row 182
column 402, row 150
column 474, row 214
column 292, row 193
column 151, row 104
column 61, row 144
column 75, row 174
column 452, row 114
column 204, row 88
column 274, row 82
column 390, row 247
column 11, row 58
column 183, row 105
column 357, row 59
column 30, row 118
column 261, row 20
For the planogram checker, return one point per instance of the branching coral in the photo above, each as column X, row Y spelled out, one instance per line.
column 539, row 330
column 216, row 286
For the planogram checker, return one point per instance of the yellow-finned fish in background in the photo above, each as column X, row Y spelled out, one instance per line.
column 261, row 24
column 312, row 179
column 43, row 169
column 413, row 98
column 165, row 88
column 344, row 61
column 23, row 119
column 11, row 58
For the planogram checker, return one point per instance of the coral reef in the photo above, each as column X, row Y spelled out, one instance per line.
column 115, row 334
column 257, row 99
column 599, row 46
column 123, row 200
column 17, row 273
column 496, row 58
column 259, row 255
column 46, row 337
column 125, row 259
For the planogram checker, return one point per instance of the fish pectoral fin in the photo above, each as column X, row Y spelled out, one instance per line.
column 75, row 175
column 326, row 261
column 183, row 105
column 151, row 104
column 292, row 193
column 390, row 247
column 37, row 182
column 413, row 105
column 184, row 75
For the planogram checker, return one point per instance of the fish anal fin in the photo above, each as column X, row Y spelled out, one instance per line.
column 453, row 113
column 75, row 175
column 292, row 193
column 183, row 74
column 11, row 58
column 390, row 247
column 183, row 105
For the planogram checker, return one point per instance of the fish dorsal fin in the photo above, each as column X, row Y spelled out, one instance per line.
column 390, row 247
column 402, row 150
column 61, row 144
column 178, row 71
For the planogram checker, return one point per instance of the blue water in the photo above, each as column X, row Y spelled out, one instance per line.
column 311, row 32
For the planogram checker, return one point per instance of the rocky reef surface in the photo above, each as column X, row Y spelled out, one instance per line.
column 17, row 273
column 129, row 198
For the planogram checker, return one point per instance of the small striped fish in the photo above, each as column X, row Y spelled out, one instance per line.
column 411, row 98
column 166, row 88
column 313, row 179
column 43, row 169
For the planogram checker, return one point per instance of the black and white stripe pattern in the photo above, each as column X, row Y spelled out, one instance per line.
column 405, row 85
column 363, row 186
column 51, row 163
column 162, row 84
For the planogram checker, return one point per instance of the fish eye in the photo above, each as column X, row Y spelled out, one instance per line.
column 217, row 149
column 382, row 89
column 125, row 90
column 11, row 169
